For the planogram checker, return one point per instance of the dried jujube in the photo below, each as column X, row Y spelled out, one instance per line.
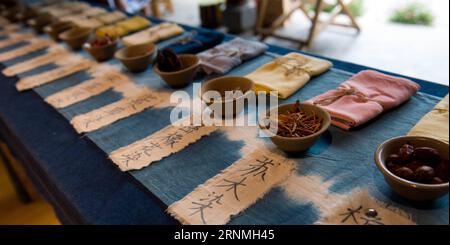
column 418, row 164
column 427, row 154
column 424, row 174
column 406, row 152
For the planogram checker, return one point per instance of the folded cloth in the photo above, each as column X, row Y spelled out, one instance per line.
column 153, row 34
column 363, row 97
column 435, row 123
column 111, row 17
column 133, row 24
column 287, row 74
column 197, row 41
column 226, row 56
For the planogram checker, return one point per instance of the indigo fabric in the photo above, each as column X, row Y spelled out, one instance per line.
column 88, row 188
column 197, row 41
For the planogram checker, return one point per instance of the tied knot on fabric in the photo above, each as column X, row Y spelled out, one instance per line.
column 342, row 92
column 229, row 53
column 293, row 66
column 190, row 38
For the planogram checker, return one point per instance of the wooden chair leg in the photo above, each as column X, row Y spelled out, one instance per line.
column 347, row 12
column 315, row 22
column 20, row 189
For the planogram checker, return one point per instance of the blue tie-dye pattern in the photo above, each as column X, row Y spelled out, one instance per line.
column 344, row 157
column 13, row 46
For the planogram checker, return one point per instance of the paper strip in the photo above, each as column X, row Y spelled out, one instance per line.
column 360, row 208
column 85, row 89
column 54, row 53
column 155, row 147
column 30, row 82
column 113, row 112
column 15, row 38
column 35, row 44
column 232, row 191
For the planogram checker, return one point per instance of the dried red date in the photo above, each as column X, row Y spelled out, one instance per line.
column 437, row 181
column 406, row 152
column 427, row 154
column 424, row 174
column 405, row 173
column 394, row 158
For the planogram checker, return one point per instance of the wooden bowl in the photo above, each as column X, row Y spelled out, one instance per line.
column 296, row 144
column 405, row 188
column 102, row 53
column 219, row 103
column 38, row 23
column 136, row 57
column 75, row 37
column 183, row 77
column 56, row 28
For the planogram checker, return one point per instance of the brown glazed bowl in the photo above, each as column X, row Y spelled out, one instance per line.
column 296, row 144
column 222, row 85
column 38, row 23
column 405, row 188
column 75, row 37
column 136, row 57
column 26, row 14
column 183, row 77
column 56, row 28
column 102, row 53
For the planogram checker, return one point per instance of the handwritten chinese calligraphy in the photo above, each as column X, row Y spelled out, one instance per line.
column 54, row 53
column 77, row 65
column 111, row 113
column 158, row 145
column 85, row 89
column 35, row 44
column 234, row 190
column 15, row 38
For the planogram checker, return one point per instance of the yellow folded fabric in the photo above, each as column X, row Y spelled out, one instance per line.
column 84, row 22
column 133, row 24
column 287, row 74
column 435, row 123
column 111, row 17
column 112, row 31
column 153, row 34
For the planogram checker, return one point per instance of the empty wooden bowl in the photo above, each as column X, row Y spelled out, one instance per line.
column 136, row 57
column 56, row 28
column 75, row 37
column 182, row 77
column 296, row 144
column 214, row 94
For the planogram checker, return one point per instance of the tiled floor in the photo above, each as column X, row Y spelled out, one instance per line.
column 415, row 51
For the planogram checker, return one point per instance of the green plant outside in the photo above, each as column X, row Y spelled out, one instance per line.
column 414, row 13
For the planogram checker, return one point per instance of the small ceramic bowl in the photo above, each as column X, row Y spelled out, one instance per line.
column 56, row 28
column 75, row 37
column 136, row 57
column 221, row 105
column 102, row 53
column 405, row 188
column 40, row 22
column 26, row 14
column 183, row 77
column 296, row 144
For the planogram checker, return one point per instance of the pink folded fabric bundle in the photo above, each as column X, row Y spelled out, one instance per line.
column 363, row 97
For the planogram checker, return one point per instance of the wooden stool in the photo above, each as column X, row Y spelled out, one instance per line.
column 316, row 25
